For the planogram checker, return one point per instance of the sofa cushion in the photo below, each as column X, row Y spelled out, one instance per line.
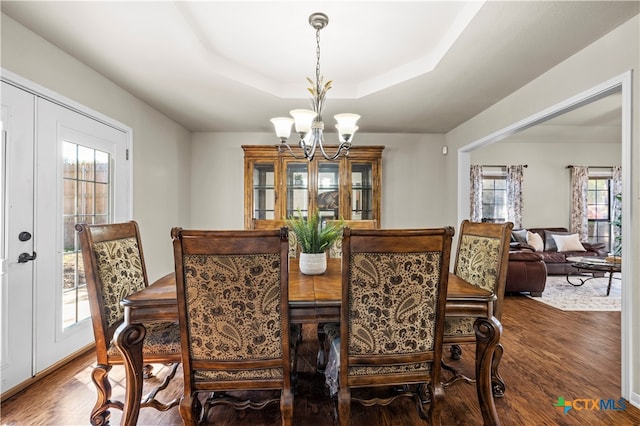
column 569, row 242
column 553, row 257
column 535, row 241
column 549, row 242
column 520, row 235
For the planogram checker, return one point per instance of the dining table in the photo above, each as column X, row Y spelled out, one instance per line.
column 312, row 299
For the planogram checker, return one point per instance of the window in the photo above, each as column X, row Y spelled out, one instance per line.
column 86, row 199
column 599, row 204
column 494, row 194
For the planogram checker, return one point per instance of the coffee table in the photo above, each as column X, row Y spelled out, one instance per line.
column 594, row 264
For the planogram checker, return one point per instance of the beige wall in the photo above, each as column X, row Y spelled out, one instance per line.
column 412, row 184
column 161, row 158
column 612, row 55
column 546, row 186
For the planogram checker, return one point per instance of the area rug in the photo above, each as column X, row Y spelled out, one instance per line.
column 591, row 296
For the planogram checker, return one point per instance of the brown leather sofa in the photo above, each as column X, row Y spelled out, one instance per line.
column 556, row 262
column 526, row 272
column 528, row 269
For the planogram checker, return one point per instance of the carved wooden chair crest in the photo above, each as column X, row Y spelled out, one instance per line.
column 232, row 289
column 114, row 267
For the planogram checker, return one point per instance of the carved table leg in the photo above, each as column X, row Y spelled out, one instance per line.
column 488, row 332
column 128, row 338
column 497, row 384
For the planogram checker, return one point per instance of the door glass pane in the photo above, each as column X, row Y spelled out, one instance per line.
column 297, row 188
column 264, row 198
column 361, row 192
column 328, row 191
column 86, row 199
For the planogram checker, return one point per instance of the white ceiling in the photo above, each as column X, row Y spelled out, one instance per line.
column 413, row 67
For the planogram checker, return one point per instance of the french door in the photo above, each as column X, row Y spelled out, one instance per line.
column 61, row 167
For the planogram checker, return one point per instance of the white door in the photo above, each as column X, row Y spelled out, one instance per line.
column 60, row 167
column 81, row 176
column 16, row 295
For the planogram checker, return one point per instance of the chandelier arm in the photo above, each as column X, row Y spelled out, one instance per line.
column 343, row 146
column 285, row 144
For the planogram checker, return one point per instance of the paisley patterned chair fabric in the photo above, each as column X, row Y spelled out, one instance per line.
column 392, row 315
column 232, row 289
column 482, row 260
column 114, row 268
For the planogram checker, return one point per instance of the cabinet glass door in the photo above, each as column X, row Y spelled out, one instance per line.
column 264, row 198
column 329, row 191
column 361, row 191
column 297, row 183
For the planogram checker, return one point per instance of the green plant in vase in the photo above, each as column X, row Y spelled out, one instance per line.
column 314, row 239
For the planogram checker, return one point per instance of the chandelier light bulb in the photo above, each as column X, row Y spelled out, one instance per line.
column 282, row 126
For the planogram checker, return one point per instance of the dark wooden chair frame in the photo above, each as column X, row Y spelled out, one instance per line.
column 231, row 243
column 491, row 230
column 89, row 235
column 423, row 389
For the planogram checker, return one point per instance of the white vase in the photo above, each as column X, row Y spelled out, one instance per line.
column 313, row 263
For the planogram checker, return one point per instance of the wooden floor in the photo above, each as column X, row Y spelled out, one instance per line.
column 548, row 354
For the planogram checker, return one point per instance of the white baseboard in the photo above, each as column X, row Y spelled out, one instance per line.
column 635, row 399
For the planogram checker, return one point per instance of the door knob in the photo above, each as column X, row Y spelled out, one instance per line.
column 26, row 257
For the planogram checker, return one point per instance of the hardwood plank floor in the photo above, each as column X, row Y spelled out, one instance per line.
column 548, row 354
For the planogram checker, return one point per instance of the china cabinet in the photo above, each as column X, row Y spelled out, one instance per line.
column 277, row 185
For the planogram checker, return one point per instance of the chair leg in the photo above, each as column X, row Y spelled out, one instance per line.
column 100, row 413
column 191, row 410
column 497, row 384
column 344, row 407
column 456, row 375
column 437, row 399
column 286, row 408
column 323, row 350
column 456, row 352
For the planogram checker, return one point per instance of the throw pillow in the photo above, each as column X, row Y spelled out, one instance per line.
column 535, row 241
column 520, row 235
column 568, row 243
column 549, row 242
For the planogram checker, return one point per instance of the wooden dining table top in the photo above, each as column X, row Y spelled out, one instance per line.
column 304, row 290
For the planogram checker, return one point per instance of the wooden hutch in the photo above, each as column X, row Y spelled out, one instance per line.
column 277, row 185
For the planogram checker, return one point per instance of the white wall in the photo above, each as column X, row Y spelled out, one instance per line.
column 161, row 156
column 412, row 178
column 612, row 55
column 546, row 188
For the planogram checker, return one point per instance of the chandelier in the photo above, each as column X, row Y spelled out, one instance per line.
column 308, row 123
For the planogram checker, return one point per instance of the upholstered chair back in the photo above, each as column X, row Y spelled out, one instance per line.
column 481, row 259
column 232, row 289
column 394, row 285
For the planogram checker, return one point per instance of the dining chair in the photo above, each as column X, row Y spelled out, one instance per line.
column 394, row 288
column 114, row 268
column 271, row 224
column 233, row 310
column 482, row 258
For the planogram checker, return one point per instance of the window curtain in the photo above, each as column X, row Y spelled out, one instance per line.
column 475, row 193
column 579, row 185
column 616, row 190
column 514, row 195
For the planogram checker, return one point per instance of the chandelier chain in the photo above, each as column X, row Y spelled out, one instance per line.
column 318, row 61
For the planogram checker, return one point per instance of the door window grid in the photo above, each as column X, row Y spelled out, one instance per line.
column 86, row 177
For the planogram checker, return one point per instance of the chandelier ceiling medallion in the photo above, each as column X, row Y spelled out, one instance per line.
column 308, row 123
